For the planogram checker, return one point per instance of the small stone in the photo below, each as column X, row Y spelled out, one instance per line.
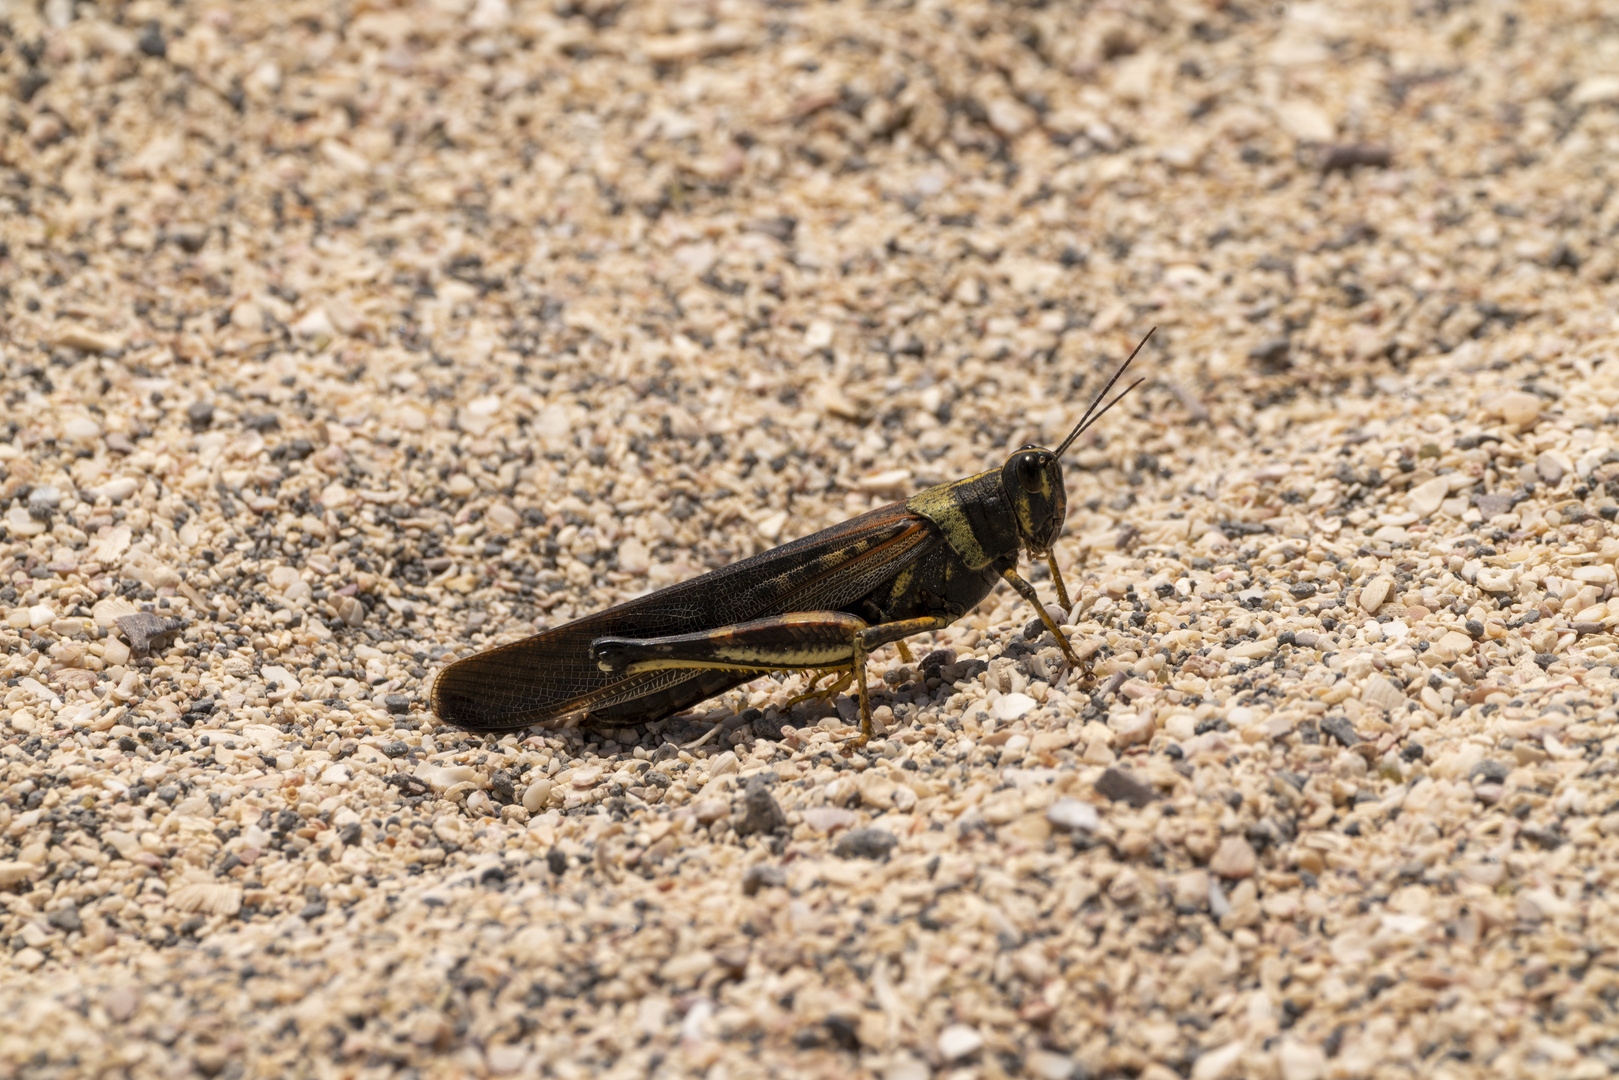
column 1272, row 352
column 688, row 968
column 145, row 631
column 1120, row 785
column 396, row 749
column 200, row 414
column 826, row 819
column 351, row 611
column 761, row 876
column 906, row 1067
column 188, row 237
column 1219, row 1063
column 1517, row 407
column 1011, row 706
column 398, row 704
column 1599, row 574
column 958, row 1041
column 116, row 491
column 151, row 41
column 1374, row 594
column 767, row 726
column 1299, row 1060
column 66, row 919
column 122, row 1003
column 1074, row 816
column 335, row 496
column 314, row 323
column 1234, row 858
column 84, row 339
column 1595, row 90
column 1382, row 694
column 1191, row 890
column 633, row 557
column 45, row 497
column 13, row 872
column 28, row 959
column 1347, row 157
column 504, row 519
column 1049, row 1065
column 761, row 813
column 708, row 811
column 506, row 1059
column 1425, row 498
column 1341, row 729
column 19, row 522
column 1131, row 728
column 1549, row 469
column 865, row 844
column 1454, row 643
column 769, row 526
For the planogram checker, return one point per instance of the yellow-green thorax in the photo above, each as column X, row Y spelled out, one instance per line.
column 989, row 516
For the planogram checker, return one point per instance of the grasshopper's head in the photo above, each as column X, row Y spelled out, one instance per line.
column 1032, row 478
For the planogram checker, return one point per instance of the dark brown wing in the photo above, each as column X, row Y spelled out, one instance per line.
column 552, row 675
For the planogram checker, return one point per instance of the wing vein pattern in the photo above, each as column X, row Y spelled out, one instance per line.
column 552, row 675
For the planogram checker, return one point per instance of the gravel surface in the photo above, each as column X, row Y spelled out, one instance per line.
column 340, row 340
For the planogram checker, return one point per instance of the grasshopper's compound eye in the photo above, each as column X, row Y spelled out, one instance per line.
column 1030, row 474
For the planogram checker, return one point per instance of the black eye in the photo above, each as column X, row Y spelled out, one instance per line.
column 1029, row 474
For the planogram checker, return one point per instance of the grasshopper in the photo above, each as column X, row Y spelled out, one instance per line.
column 821, row 603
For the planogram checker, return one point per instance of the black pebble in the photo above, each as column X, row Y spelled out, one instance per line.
column 151, row 41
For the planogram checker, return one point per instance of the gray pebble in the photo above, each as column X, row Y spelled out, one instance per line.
column 1120, row 785
column 865, row 844
column 761, row 812
column 761, row 876
column 1341, row 729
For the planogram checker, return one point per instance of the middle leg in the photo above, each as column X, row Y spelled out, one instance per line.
column 1026, row 591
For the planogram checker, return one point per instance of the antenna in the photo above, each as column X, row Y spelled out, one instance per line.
column 1092, row 415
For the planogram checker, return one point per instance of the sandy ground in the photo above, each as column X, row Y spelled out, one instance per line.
column 343, row 339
